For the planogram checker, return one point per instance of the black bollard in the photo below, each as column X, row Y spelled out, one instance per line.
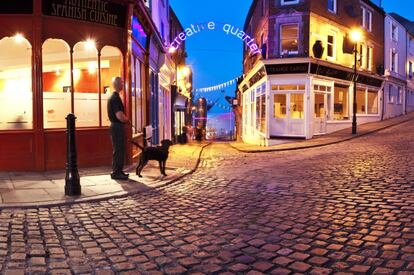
column 72, row 180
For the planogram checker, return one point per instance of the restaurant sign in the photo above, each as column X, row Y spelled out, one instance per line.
column 95, row 11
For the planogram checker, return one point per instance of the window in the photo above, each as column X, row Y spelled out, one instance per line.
column 137, row 97
column 279, row 108
column 16, row 96
column 410, row 69
column 399, row 95
column 361, row 101
column 85, row 79
column 394, row 61
column 56, row 83
column 369, row 58
column 263, row 109
column 341, row 102
column 289, row 2
column 367, row 101
column 361, row 59
column 390, row 94
column 331, row 42
column 372, row 105
column 296, row 106
column 111, row 67
column 289, row 35
column 332, row 6
column 394, row 31
column 366, row 19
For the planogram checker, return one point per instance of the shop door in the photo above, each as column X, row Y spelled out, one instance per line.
column 287, row 115
column 320, row 114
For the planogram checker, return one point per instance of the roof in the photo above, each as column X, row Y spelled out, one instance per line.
column 409, row 25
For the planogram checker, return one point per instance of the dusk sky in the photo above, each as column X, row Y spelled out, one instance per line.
column 216, row 57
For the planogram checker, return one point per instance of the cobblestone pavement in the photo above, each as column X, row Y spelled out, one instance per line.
column 346, row 208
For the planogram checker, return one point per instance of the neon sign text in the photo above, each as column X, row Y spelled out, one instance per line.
column 228, row 29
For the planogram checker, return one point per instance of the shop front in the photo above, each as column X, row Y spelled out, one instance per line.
column 302, row 99
column 59, row 57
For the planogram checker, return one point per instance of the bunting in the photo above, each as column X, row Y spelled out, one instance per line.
column 219, row 86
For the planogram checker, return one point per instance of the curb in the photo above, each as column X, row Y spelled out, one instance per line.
column 322, row 144
column 103, row 197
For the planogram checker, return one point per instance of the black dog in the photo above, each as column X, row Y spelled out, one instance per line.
column 159, row 153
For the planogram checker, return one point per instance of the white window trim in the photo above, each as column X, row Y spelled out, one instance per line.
column 335, row 6
column 288, row 2
column 370, row 60
column 366, row 11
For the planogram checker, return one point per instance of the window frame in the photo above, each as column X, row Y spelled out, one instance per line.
column 333, row 45
column 335, row 6
column 288, row 2
column 281, row 38
column 366, row 11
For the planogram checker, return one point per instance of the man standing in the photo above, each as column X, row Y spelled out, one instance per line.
column 116, row 114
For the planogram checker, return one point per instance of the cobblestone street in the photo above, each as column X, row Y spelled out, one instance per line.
column 346, row 208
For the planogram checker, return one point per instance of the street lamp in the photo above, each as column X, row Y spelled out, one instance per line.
column 356, row 37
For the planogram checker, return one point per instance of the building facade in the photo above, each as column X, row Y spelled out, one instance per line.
column 59, row 57
column 302, row 83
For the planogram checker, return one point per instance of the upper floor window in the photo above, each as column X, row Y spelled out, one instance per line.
column 366, row 19
column 394, row 32
column 289, row 2
column 410, row 69
column 369, row 55
column 332, row 6
column 394, row 61
column 289, row 36
column 331, row 43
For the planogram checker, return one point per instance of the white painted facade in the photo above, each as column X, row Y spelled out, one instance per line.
column 396, row 66
column 410, row 74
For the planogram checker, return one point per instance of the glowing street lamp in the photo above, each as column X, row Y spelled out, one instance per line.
column 356, row 37
column 185, row 71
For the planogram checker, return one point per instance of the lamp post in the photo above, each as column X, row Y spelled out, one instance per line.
column 356, row 37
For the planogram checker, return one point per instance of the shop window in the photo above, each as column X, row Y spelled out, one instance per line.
column 111, row 67
column 289, row 36
column 279, row 107
column 258, row 105
column 390, row 94
column 341, row 103
column 263, row 110
column 361, row 101
column 56, row 79
column 372, row 102
column 16, row 96
column 85, row 80
column 296, row 106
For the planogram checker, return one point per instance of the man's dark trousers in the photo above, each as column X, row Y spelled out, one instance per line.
column 118, row 144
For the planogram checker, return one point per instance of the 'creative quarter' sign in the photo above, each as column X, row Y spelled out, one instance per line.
column 95, row 11
column 228, row 29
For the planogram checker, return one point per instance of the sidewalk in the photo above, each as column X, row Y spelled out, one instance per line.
column 324, row 140
column 19, row 189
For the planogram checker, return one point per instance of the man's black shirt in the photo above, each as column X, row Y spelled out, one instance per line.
column 115, row 105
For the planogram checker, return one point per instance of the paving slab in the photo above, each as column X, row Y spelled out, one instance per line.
column 19, row 189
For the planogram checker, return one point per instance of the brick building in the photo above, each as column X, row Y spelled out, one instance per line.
column 302, row 83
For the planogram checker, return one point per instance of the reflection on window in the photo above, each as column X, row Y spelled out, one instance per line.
column 361, row 104
column 85, row 79
column 111, row 66
column 372, row 102
column 341, row 109
column 289, row 36
column 56, row 83
column 296, row 106
column 16, row 111
column 279, row 107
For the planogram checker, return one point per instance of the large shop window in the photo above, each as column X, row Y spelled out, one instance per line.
column 289, row 36
column 367, row 101
column 56, row 83
column 111, row 67
column 137, row 96
column 261, row 108
column 296, row 106
column 341, row 103
column 16, row 96
column 86, row 86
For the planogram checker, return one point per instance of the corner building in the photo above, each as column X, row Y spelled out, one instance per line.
column 302, row 83
column 59, row 57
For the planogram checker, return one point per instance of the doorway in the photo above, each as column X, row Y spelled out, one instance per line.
column 288, row 117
